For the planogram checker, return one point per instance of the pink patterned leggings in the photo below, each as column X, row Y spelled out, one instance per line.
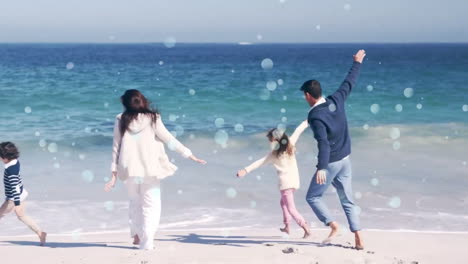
column 289, row 208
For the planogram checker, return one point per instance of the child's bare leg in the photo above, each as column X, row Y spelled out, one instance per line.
column 306, row 230
column 333, row 232
column 136, row 240
column 285, row 229
column 20, row 213
column 6, row 208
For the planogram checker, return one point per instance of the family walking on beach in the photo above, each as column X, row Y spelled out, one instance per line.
column 139, row 159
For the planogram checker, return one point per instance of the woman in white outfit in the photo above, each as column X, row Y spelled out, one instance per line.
column 140, row 160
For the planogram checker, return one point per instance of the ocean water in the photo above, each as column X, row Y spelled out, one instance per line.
column 408, row 117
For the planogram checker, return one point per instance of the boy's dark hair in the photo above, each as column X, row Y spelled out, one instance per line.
column 8, row 151
column 313, row 88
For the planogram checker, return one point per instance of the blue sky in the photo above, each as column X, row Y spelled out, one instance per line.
column 234, row 21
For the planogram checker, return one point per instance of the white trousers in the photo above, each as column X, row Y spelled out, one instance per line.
column 144, row 209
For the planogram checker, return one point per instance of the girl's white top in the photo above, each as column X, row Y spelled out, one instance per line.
column 140, row 151
column 285, row 165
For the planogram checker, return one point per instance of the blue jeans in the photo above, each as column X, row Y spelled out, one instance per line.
column 339, row 174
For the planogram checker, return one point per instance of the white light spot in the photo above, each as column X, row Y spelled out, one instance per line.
column 375, row 181
column 419, row 106
column 281, row 128
column 161, row 63
column 271, row 85
column 250, row 158
column 365, row 126
column 408, row 92
column 347, row 7
column 465, row 108
column 265, row 95
column 398, row 108
column 394, row 202
column 27, row 110
column 375, row 108
column 274, row 145
column 370, row 88
column 221, row 138
column 173, row 117
column 52, row 147
column 267, row 64
column 37, row 133
column 332, row 107
column 239, row 128
column 259, row 37
column 109, row 205
column 231, row 193
column 106, row 105
column 191, row 92
column 280, row 82
column 283, row 110
column 179, row 130
column 259, row 177
column 82, row 156
column 317, row 27
column 57, row 165
column 219, row 122
column 180, row 192
column 170, row 42
column 285, row 97
column 358, row 195
column 395, row 133
column 253, row 204
column 70, row 66
column 76, row 234
column 396, row 145
column 42, row 143
column 87, row 176
column 284, row 119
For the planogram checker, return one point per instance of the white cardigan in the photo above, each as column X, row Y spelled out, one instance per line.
column 285, row 165
column 140, row 151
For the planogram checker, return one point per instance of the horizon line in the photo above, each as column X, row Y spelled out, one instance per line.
column 241, row 43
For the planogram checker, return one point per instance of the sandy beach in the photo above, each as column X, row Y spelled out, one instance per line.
column 239, row 246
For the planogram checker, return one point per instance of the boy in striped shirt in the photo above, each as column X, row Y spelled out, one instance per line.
column 14, row 192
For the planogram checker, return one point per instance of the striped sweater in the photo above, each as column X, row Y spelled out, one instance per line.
column 12, row 181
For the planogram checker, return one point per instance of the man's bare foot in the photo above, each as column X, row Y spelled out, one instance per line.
column 358, row 240
column 306, row 231
column 334, row 231
column 285, row 229
column 136, row 240
column 42, row 238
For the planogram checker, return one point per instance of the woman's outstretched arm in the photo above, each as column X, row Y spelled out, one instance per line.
column 172, row 143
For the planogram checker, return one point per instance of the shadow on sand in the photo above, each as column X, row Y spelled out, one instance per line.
column 244, row 241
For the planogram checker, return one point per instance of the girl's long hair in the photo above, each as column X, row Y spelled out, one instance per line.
column 275, row 135
column 135, row 103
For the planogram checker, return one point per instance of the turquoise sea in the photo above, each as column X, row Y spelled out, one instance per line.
column 408, row 118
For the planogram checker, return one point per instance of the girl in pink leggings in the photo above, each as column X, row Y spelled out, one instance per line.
column 283, row 158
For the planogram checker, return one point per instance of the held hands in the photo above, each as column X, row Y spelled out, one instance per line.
column 197, row 160
column 110, row 184
column 359, row 56
column 321, row 177
column 241, row 173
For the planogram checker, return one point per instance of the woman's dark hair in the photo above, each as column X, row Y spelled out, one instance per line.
column 135, row 103
column 8, row 151
column 283, row 142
